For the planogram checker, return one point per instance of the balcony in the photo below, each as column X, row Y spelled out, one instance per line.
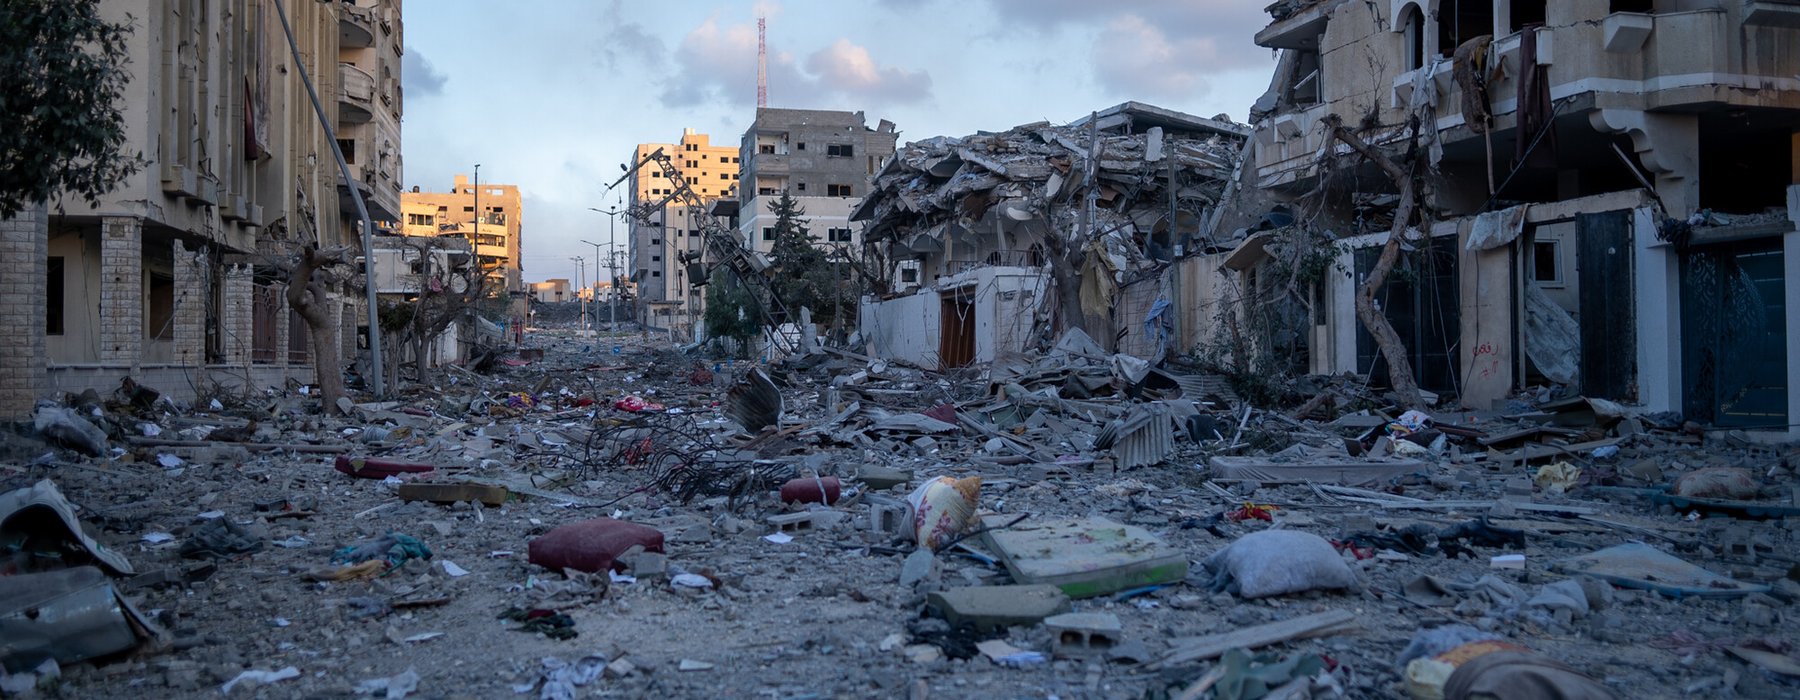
column 356, row 26
column 999, row 258
column 356, row 94
column 491, row 251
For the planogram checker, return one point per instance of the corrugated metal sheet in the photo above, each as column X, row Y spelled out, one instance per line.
column 1143, row 437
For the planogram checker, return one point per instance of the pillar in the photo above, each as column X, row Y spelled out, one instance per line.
column 121, row 290
column 237, row 313
column 192, row 284
column 24, row 255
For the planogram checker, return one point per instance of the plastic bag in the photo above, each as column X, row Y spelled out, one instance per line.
column 1273, row 562
column 943, row 508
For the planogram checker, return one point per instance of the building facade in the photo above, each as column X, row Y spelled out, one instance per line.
column 1615, row 192
column 656, row 247
column 553, row 291
column 495, row 233
column 824, row 158
column 175, row 277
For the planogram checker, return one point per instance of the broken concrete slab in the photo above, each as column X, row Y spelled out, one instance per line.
column 1084, row 556
column 452, row 493
column 991, row 607
column 1641, row 566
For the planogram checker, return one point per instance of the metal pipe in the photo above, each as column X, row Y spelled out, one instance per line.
column 376, row 382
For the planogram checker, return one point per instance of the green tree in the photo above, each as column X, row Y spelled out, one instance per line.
column 802, row 272
column 731, row 311
column 62, row 75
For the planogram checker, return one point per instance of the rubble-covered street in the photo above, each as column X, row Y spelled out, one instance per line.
column 1136, row 532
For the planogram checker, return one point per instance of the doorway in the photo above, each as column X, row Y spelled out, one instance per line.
column 1422, row 302
column 1734, row 334
column 956, row 337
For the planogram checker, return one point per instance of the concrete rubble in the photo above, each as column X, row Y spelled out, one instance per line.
column 782, row 561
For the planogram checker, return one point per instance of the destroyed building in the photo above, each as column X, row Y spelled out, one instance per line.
column 176, row 277
column 978, row 231
column 1612, row 193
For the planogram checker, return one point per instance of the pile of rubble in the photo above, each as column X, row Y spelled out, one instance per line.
column 629, row 520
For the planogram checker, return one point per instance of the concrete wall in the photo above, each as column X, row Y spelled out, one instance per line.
column 909, row 328
column 903, row 328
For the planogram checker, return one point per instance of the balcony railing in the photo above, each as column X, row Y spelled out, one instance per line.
column 999, row 258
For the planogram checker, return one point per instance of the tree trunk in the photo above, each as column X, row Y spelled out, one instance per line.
column 306, row 295
column 1400, row 370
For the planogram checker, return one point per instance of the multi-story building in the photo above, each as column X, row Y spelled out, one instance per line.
column 553, row 291
column 1614, row 189
column 666, row 298
column 494, row 233
column 171, row 277
column 824, row 158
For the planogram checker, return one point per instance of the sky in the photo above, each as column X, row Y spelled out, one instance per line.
column 552, row 95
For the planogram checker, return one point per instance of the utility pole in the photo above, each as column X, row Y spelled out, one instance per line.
column 376, row 381
column 612, row 284
column 580, row 275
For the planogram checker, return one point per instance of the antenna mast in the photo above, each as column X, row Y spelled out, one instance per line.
column 762, row 64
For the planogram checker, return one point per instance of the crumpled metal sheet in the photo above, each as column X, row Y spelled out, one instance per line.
column 1143, row 437
column 40, row 514
column 69, row 615
column 754, row 402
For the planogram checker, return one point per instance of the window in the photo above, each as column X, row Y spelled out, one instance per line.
column 418, row 219
column 724, row 176
column 909, row 274
column 1413, row 19
column 656, row 273
column 1527, row 12
column 53, row 296
column 1546, row 268
column 837, row 190
column 693, row 164
column 838, row 235
column 348, row 146
column 845, row 150
column 1462, row 20
column 800, row 187
column 765, row 148
column 800, row 146
column 656, row 258
column 768, row 233
column 656, row 241
column 159, row 307
column 469, row 210
column 765, row 190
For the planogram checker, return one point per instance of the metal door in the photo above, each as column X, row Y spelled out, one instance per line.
column 1734, row 334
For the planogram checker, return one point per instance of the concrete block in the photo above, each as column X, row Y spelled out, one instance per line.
column 647, row 565
column 993, row 607
column 1079, row 635
column 888, row 520
column 792, row 522
column 882, row 478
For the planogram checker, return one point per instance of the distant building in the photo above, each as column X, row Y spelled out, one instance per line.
column 665, row 296
column 824, row 158
column 552, row 291
column 495, row 235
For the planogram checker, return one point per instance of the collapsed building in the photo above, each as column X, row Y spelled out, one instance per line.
column 1610, row 201
column 996, row 241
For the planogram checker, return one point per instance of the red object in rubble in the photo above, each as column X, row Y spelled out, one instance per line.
column 371, row 468
column 944, row 412
column 583, row 402
column 591, row 545
column 810, row 490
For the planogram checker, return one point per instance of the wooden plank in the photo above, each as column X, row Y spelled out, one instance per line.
column 1215, row 645
column 453, row 493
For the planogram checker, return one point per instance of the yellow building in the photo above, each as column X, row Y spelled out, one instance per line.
column 666, row 300
column 495, row 235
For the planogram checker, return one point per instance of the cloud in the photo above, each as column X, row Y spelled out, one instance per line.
column 849, row 68
column 418, row 76
column 1133, row 57
column 717, row 63
column 624, row 41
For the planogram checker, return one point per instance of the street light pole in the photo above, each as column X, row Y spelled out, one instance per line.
column 612, row 223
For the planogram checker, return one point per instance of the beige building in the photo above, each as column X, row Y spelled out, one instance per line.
column 168, row 278
column 495, row 232
column 1615, row 194
column 666, row 299
column 824, row 158
column 552, row 291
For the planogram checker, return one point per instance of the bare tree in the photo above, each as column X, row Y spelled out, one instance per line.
column 307, row 295
column 1400, row 370
column 447, row 295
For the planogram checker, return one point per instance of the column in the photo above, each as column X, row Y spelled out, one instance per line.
column 24, row 254
column 121, row 290
column 237, row 313
column 191, row 287
column 281, row 326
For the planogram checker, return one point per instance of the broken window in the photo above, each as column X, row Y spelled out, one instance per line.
column 1527, row 12
column 348, row 146
column 837, row 190
column 800, row 187
column 909, row 275
column 766, row 148
column 844, row 150
column 1462, row 20
column 838, row 235
column 53, row 296
column 159, row 307
column 800, row 146
column 1305, row 88
column 656, row 273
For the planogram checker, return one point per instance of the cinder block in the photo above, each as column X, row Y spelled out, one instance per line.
column 1078, row 635
column 888, row 520
column 792, row 522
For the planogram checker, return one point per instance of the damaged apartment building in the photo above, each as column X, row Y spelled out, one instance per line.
column 994, row 242
column 177, row 277
column 1611, row 196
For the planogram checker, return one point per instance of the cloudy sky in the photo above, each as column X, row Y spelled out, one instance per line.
column 551, row 95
